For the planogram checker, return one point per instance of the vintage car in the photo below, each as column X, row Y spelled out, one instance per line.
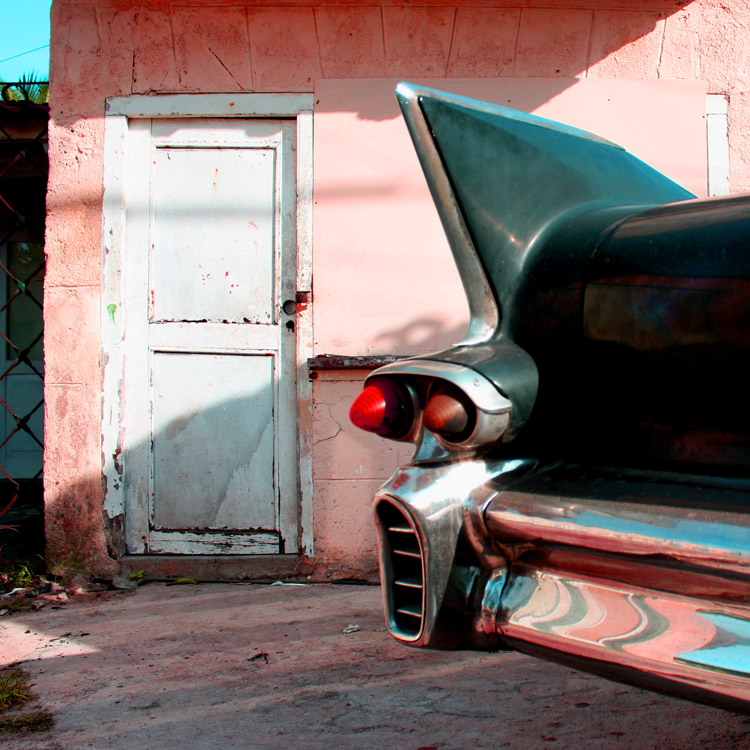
column 580, row 486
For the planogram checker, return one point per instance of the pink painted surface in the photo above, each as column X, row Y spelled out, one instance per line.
column 212, row 47
column 351, row 42
column 384, row 278
column 73, row 487
column 637, row 53
column 553, row 45
column 372, row 198
column 349, row 467
column 484, row 43
column 68, row 345
column 418, row 40
column 284, row 48
column 154, row 64
column 385, row 281
column 74, row 204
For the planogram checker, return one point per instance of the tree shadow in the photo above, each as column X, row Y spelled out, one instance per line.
column 420, row 336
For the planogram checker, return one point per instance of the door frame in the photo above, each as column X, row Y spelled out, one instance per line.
column 119, row 112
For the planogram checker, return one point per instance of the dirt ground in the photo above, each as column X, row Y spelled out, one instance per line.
column 311, row 667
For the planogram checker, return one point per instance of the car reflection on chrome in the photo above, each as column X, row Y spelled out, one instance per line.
column 580, row 483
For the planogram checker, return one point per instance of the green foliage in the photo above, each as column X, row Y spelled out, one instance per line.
column 72, row 564
column 21, row 573
column 14, row 688
column 139, row 576
column 31, row 87
column 39, row 721
column 15, row 692
column 19, row 604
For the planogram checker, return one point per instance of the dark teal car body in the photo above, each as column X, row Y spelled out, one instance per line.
column 580, row 486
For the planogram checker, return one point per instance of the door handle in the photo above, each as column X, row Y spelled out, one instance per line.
column 301, row 298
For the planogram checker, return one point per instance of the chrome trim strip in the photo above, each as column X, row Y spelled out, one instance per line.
column 691, row 643
column 476, row 386
column 483, row 309
column 667, row 606
column 700, row 537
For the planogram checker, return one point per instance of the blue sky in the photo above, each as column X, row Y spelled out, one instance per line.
column 25, row 25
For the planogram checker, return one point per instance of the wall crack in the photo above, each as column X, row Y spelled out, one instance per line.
column 333, row 420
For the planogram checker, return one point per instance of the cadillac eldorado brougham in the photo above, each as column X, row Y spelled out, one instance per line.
column 580, row 486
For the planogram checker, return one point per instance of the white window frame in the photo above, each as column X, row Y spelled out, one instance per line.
column 717, row 141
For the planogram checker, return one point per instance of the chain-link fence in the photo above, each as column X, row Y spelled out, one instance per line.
column 23, row 185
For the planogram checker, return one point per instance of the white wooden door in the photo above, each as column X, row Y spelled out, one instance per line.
column 209, row 390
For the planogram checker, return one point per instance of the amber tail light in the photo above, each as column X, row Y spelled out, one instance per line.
column 449, row 413
column 392, row 407
column 384, row 407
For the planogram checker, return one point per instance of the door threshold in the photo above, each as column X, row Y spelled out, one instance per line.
column 256, row 568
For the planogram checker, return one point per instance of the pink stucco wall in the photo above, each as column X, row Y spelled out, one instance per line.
column 397, row 279
column 111, row 48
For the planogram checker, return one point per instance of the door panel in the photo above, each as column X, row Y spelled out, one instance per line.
column 213, row 253
column 222, row 414
column 209, row 359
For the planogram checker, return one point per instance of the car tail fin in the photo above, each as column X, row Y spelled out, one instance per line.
column 501, row 178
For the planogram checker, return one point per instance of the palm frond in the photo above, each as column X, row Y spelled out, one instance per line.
column 31, row 87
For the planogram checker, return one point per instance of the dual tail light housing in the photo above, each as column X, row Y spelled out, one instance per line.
column 456, row 406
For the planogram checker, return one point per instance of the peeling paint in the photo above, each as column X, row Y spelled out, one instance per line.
column 114, row 532
column 343, row 362
column 116, row 458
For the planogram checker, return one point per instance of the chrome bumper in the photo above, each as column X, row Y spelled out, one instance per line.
column 641, row 577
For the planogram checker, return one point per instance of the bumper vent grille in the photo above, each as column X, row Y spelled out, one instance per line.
column 403, row 573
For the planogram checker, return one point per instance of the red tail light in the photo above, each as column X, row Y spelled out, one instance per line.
column 450, row 413
column 384, row 407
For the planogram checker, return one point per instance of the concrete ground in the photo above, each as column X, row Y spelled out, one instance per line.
column 256, row 667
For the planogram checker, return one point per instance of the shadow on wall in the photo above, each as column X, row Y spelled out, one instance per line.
column 207, row 465
column 476, row 45
column 375, row 100
column 207, row 476
column 420, row 335
column 136, row 50
column 489, row 43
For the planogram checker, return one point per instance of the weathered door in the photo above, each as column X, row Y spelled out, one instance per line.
column 209, row 399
